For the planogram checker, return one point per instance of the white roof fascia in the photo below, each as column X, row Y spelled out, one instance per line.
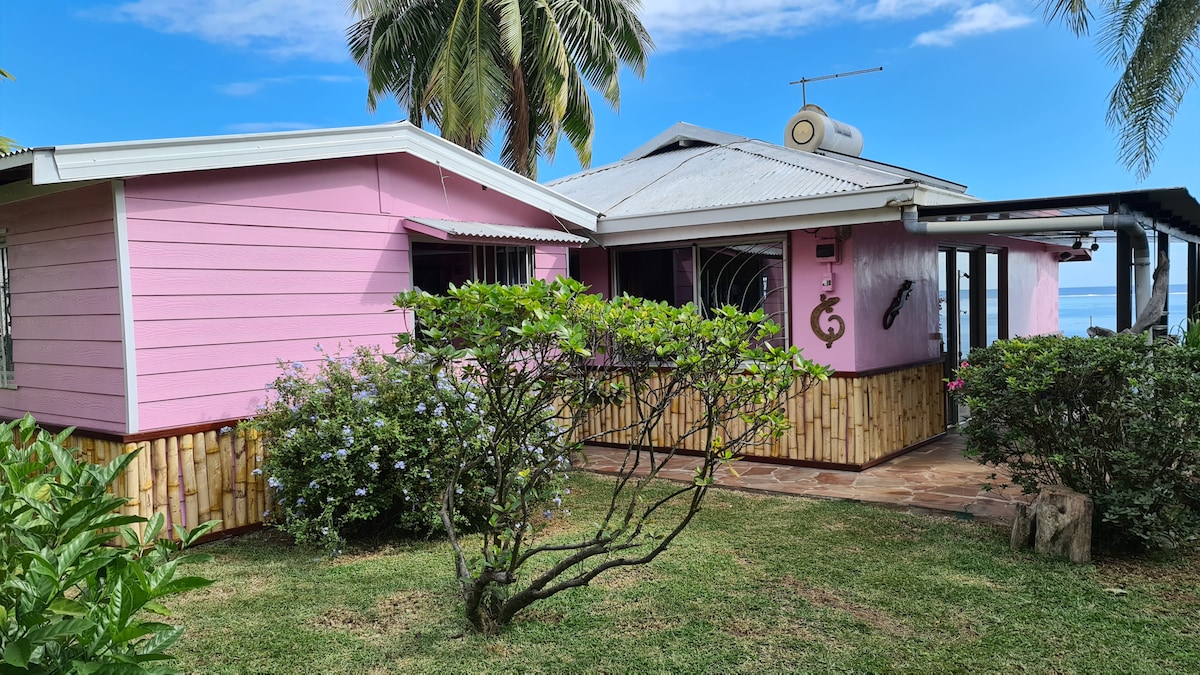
column 773, row 226
column 98, row 161
column 745, row 214
column 929, row 195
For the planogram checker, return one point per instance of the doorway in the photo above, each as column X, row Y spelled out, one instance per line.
column 973, row 284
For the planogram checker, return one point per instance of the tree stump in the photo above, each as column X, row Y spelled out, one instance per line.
column 1058, row 524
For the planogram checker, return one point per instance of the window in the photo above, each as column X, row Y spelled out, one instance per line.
column 436, row 266
column 6, row 345
column 749, row 276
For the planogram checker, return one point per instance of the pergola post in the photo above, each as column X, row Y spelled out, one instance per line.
column 1124, row 287
column 1193, row 281
column 1164, row 252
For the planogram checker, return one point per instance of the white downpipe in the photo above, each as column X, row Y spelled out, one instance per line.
column 1143, row 275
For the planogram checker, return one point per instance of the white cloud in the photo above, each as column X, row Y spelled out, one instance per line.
column 254, row 86
column 260, row 127
column 978, row 20
column 313, row 29
column 906, row 9
column 678, row 23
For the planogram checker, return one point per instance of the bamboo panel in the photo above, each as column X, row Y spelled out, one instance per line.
column 240, row 472
column 850, row 421
column 174, row 494
column 228, row 481
column 145, row 463
column 133, row 488
column 200, row 464
column 187, row 466
column 216, row 480
column 159, row 456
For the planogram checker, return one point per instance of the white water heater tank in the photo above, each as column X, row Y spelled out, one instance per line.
column 811, row 129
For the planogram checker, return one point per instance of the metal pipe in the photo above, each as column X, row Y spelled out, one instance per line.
column 1143, row 275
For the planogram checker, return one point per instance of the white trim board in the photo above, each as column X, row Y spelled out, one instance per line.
column 125, row 289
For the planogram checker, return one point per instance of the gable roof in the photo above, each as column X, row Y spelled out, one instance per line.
column 688, row 168
column 62, row 164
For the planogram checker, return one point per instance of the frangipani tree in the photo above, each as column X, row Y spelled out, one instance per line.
column 538, row 362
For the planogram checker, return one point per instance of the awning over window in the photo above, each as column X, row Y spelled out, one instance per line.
column 469, row 232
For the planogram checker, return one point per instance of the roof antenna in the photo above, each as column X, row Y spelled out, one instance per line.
column 803, row 82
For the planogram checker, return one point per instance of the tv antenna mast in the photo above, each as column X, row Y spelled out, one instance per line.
column 803, row 82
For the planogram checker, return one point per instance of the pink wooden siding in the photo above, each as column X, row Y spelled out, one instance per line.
column 66, row 310
column 549, row 262
column 233, row 270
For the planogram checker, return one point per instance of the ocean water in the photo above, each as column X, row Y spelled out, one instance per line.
column 1082, row 307
column 1079, row 308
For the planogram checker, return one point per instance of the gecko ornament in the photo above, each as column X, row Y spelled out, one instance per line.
column 828, row 335
column 893, row 310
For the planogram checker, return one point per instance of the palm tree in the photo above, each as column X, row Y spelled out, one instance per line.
column 524, row 66
column 1155, row 43
column 7, row 144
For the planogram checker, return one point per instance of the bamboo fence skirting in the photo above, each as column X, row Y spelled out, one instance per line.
column 845, row 420
column 189, row 478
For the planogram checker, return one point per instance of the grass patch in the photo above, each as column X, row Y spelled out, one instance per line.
column 761, row 584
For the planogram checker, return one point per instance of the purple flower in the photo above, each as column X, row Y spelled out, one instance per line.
column 373, row 465
column 400, row 464
column 326, row 455
column 274, row 482
column 314, row 485
column 379, row 423
column 341, row 452
column 296, row 365
column 257, row 472
column 420, row 407
column 299, row 501
column 290, row 433
column 225, row 430
column 458, row 490
column 361, row 492
column 547, row 514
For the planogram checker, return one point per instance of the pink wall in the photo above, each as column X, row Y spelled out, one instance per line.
column 69, row 366
column 233, row 270
column 805, row 291
column 594, row 270
column 885, row 256
column 1033, row 290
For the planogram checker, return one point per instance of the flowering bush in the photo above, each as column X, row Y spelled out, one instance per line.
column 356, row 446
column 1113, row 418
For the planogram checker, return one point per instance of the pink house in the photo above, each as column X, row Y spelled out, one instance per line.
column 150, row 287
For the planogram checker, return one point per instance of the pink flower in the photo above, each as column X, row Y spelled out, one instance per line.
column 964, row 364
column 955, row 385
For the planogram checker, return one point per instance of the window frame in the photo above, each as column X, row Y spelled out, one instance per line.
column 783, row 318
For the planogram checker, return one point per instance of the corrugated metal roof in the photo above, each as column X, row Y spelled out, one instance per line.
column 699, row 175
column 472, row 230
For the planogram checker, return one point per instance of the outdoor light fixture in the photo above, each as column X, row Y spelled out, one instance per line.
column 1065, row 256
column 1095, row 245
column 1078, row 244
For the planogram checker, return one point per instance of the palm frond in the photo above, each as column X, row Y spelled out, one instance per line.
column 1074, row 13
column 1160, row 70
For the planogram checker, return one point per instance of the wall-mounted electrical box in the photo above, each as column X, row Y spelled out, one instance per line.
column 829, row 251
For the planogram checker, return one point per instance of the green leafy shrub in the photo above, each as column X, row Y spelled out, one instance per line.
column 1113, row 418
column 68, row 601
column 353, row 449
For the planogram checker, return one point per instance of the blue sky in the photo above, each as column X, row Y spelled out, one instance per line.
column 981, row 93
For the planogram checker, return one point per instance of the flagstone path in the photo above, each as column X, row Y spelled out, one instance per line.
column 935, row 478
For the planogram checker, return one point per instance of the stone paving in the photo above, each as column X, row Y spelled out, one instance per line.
column 935, row 478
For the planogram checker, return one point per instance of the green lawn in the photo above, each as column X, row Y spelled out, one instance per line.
column 759, row 584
